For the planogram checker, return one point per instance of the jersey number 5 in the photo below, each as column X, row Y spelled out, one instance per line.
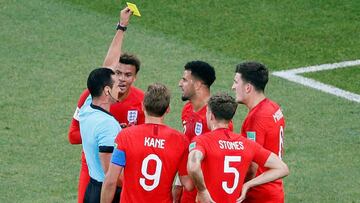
column 154, row 177
column 229, row 169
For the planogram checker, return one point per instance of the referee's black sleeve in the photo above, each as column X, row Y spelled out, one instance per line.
column 106, row 149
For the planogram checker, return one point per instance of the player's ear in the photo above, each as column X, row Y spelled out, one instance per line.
column 142, row 106
column 197, row 84
column 212, row 116
column 248, row 88
column 167, row 110
column 107, row 90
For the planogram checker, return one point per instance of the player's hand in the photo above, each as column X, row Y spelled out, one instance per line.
column 244, row 190
column 125, row 16
column 204, row 197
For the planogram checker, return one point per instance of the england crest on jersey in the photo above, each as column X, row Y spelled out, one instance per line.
column 132, row 116
column 198, row 128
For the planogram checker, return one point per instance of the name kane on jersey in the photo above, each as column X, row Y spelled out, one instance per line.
column 154, row 142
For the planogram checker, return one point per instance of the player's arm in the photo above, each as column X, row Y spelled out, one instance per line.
column 114, row 52
column 277, row 169
column 116, row 166
column 195, row 172
column 177, row 189
column 186, row 182
column 74, row 128
column 110, row 182
column 251, row 173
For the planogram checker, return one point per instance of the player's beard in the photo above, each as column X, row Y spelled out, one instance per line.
column 184, row 98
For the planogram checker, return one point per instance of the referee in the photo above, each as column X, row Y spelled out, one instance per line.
column 98, row 129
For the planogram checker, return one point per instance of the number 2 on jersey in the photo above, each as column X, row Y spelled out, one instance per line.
column 154, row 177
column 229, row 169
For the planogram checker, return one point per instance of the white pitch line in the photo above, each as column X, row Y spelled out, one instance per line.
column 291, row 75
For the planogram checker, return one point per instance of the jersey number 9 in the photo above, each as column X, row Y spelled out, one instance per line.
column 152, row 177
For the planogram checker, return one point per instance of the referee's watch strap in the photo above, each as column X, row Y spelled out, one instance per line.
column 120, row 27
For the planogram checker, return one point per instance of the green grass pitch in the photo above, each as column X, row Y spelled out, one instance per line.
column 48, row 48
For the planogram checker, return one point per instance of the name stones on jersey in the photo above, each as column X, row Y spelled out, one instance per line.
column 236, row 145
column 154, row 142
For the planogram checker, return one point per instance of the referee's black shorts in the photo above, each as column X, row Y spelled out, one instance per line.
column 93, row 192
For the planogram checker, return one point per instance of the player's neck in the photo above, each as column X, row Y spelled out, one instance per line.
column 255, row 100
column 219, row 125
column 154, row 120
column 200, row 100
column 101, row 102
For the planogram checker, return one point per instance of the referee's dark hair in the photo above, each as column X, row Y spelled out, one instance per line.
column 98, row 79
column 202, row 71
column 223, row 106
column 254, row 73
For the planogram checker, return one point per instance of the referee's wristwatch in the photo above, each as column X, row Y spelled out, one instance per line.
column 120, row 27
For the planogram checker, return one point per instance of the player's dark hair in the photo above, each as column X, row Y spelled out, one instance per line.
column 202, row 71
column 98, row 79
column 130, row 59
column 254, row 73
column 223, row 106
column 156, row 100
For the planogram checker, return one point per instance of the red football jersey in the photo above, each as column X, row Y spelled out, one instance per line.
column 265, row 124
column 154, row 153
column 74, row 129
column 129, row 111
column 194, row 124
column 227, row 157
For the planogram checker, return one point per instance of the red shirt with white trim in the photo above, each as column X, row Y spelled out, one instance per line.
column 227, row 157
column 129, row 111
column 194, row 124
column 154, row 154
column 265, row 124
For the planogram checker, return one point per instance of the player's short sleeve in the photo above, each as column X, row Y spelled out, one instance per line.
column 107, row 132
column 84, row 98
column 118, row 157
column 256, row 129
column 197, row 144
column 261, row 154
column 74, row 128
column 119, row 154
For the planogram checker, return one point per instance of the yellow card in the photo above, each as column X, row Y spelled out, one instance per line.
column 133, row 8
